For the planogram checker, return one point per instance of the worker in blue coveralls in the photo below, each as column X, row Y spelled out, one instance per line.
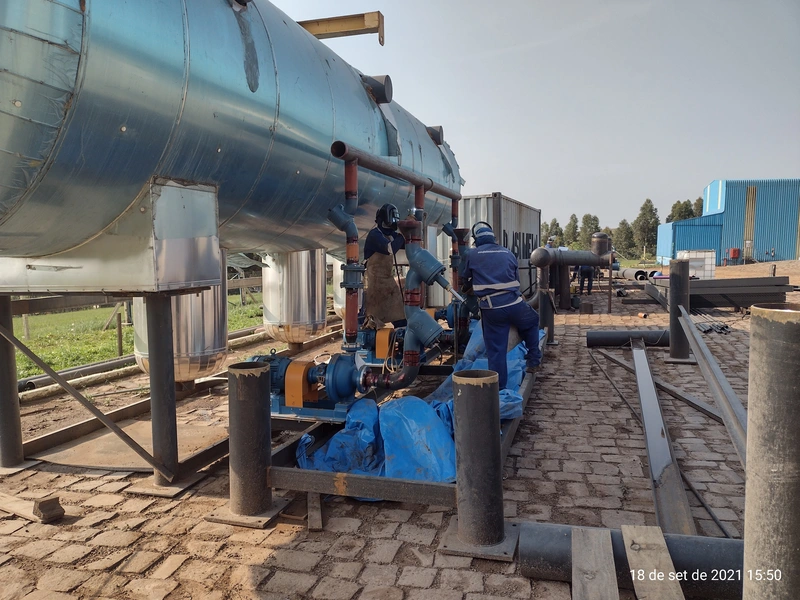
column 585, row 273
column 383, row 294
column 493, row 273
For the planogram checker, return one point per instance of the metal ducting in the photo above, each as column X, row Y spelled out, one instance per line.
column 199, row 331
column 294, row 295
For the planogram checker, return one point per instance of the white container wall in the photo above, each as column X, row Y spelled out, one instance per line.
column 702, row 263
column 516, row 226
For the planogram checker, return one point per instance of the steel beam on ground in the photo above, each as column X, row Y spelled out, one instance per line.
column 670, row 389
column 11, row 451
column 545, row 552
column 673, row 513
column 622, row 337
column 679, row 288
column 362, row 486
column 733, row 413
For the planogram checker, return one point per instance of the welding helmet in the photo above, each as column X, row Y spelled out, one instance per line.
column 482, row 233
column 388, row 217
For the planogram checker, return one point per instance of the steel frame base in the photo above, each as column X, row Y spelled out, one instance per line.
column 681, row 361
column 260, row 521
column 147, row 487
column 17, row 468
column 504, row 551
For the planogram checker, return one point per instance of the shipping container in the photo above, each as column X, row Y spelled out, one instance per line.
column 516, row 226
column 757, row 219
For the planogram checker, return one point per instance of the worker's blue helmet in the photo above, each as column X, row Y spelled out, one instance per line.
column 482, row 233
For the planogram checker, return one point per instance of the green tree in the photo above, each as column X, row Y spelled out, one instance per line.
column 623, row 240
column 645, row 229
column 681, row 211
column 590, row 224
column 571, row 231
column 698, row 207
column 554, row 231
column 544, row 230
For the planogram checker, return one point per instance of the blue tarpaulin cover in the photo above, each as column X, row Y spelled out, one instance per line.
column 408, row 437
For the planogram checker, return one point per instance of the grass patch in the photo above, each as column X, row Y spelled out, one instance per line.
column 75, row 338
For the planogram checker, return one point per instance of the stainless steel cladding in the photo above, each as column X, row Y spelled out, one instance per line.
column 516, row 227
column 294, row 295
column 199, row 331
column 100, row 97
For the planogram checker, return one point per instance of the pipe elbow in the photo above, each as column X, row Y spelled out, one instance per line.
column 343, row 221
column 542, row 257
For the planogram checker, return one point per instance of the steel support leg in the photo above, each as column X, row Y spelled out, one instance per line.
column 678, row 296
column 772, row 521
column 546, row 316
column 162, row 383
column 10, row 423
column 564, row 297
column 480, row 530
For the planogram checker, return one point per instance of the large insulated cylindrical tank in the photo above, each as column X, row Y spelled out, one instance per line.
column 199, row 331
column 294, row 295
column 99, row 97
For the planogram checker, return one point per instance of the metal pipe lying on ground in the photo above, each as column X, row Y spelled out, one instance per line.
column 622, row 337
column 545, row 552
column 772, row 522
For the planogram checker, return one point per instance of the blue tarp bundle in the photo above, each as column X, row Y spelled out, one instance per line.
column 410, row 438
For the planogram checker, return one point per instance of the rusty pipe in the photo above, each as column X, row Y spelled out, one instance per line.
column 351, row 186
column 345, row 152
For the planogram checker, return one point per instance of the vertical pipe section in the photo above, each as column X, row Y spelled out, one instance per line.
column 250, row 437
column 564, row 298
column 771, row 518
column 546, row 316
column 479, row 472
column 10, row 423
column 419, row 202
column 351, row 187
column 678, row 296
column 162, row 383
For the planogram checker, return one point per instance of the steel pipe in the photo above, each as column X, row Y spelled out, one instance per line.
column 369, row 161
column 545, row 552
column 162, row 384
column 11, row 453
column 771, row 519
column 546, row 313
column 733, row 413
column 479, row 471
column 633, row 274
column 678, row 296
column 622, row 337
column 545, row 257
column 564, row 297
column 250, row 437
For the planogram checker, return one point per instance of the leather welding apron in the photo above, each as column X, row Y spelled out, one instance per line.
column 383, row 299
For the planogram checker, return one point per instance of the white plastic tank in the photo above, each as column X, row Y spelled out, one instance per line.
column 199, row 331
column 294, row 295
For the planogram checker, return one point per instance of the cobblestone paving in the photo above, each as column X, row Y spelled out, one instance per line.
column 579, row 458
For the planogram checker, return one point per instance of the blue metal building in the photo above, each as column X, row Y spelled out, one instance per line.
column 759, row 218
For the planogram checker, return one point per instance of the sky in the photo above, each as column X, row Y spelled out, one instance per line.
column 576, row 106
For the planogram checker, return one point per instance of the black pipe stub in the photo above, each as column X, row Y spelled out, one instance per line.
column 380, row 86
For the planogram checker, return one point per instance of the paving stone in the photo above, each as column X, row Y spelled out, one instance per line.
column 381, row 575
column 8, row 542
column 294, row 560
column 119, row 539
column 286, row 536
column 128, row 524
column 383, row 530
column 37, row 549
column 136, row 505
column 69, row 554
column 4, row 558
column 331, row 588
column 347, row 546
column 290, row 583
column 203, row 572
column 56, row 579
column 508, row 587
column 104, row 500
column 249, row 577
column 113, row 486
column 434, row 519
column 425, row 559
column 150, row 589
column 416, row 535
column 38, row 530
column 203, row 549
column 139, row 562
column 343, row 524
column 108, row 562
column 418, row 577
column 87, row 485
column 43, row 595
column 103, row 584
column 381, row 593
column 95, row 518
column 161, row 544
column 614, row 519
column 346, row 570
column 169, row 566
column 434, row 595
column 447, row 561
column 253, row 537
column 81, row 535
column 462, row 580
column 551, row 590
column 607, row 502
column 247, row 555
column 10, row 526
column 382, row 551
column 401, row 516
